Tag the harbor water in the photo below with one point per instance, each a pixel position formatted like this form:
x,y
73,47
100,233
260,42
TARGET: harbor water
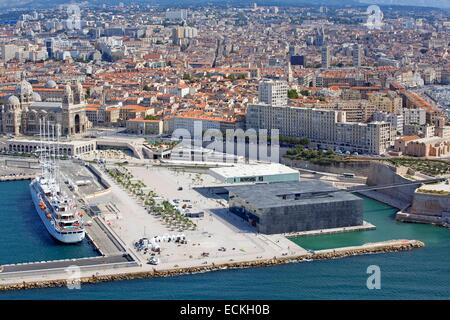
x,y
417,274
23,235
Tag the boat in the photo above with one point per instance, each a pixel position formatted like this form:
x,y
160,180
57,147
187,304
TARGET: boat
x,y
58,211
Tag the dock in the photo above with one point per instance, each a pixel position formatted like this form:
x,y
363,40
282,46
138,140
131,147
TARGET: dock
x,y
92,273
113,255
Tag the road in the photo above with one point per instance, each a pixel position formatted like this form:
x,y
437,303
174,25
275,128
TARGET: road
x,y
61,264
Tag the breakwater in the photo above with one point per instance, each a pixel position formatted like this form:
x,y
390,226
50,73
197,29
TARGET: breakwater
x,y
364,227
371,248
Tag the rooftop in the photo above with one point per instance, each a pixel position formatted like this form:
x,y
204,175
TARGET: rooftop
x,y
293,193
253,169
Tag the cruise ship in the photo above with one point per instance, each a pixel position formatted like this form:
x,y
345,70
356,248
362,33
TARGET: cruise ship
x,y
58,211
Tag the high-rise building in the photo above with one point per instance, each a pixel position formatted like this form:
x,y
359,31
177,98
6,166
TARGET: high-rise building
x,y
294,50
295,58
179,34
8,52
298,61
326,57
177,14
414,116
50,46
289,74
321,37
273,92
357,55
445,76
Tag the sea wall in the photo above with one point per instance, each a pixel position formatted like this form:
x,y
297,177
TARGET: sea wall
x,y
17,177
420,218
20,162
380,247
430,204
384,174
359,168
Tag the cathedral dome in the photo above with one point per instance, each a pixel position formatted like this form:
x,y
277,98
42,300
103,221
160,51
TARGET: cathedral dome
x,y
24,88
51,84
37,97
13,101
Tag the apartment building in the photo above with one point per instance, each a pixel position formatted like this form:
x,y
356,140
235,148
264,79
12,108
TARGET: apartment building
x,y
273,92
324,128
326,57
134,111
387,102
396,120
414,116
8,52
357,55
190,121
102,115
144,127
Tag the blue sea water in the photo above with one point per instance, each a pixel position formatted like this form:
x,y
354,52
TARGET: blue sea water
x,y
23,235
418,274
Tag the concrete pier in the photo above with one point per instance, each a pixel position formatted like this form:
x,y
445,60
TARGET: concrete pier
x,y
364,227
102,274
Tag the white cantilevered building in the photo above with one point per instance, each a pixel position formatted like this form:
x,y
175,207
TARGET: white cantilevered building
x,y
254,173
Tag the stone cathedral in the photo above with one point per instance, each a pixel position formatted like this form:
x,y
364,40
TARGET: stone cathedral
x,y
22,110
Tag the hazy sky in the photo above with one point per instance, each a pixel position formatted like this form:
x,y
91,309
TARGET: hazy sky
x,y
434,3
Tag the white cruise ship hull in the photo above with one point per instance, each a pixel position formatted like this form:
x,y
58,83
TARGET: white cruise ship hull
x,y
66,237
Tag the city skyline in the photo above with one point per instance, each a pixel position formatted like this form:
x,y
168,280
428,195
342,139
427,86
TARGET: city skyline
x,y
50,3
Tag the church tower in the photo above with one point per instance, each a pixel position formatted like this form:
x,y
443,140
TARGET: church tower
x,y
79,93
68,96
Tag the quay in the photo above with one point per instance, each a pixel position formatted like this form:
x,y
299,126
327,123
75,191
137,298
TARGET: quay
x,y
54,277
113,256
15,168
366,226
17,177
117,219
